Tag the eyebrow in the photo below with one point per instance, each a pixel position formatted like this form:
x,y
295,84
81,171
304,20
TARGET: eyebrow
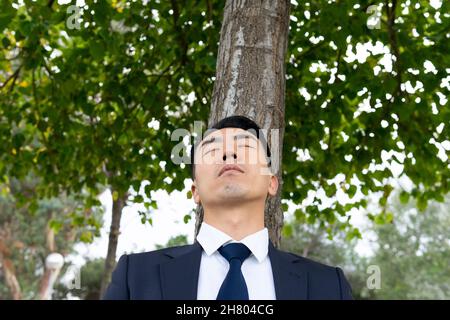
x,y
206,142
236,137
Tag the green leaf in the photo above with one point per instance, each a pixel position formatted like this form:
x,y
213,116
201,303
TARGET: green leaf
x,y
25,27
55,225
6,43
7,13
404,197
18,139
299,215
78,220
354,233
287,230
33,207
96,49
421,203
86,237
365,190
330,190
382,201
102,11
351,191
389,217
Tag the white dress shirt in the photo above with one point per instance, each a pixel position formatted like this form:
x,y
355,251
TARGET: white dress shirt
x,y
257,269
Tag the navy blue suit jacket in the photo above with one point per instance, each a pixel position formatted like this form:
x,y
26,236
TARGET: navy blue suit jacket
x,y
172,274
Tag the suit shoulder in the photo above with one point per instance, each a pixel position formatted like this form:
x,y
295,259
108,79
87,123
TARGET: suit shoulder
x,y
310,264
324,281
157,254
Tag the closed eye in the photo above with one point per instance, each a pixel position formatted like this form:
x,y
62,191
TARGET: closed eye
x,y
246,145
210,150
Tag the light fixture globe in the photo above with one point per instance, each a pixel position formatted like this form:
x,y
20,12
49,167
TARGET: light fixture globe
x,y
54,261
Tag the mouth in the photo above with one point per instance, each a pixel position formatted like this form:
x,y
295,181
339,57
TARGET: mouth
x,y
230,167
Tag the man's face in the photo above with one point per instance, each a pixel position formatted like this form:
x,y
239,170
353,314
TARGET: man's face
x,y
231,166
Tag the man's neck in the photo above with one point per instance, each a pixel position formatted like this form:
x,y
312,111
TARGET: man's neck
x,y
237,222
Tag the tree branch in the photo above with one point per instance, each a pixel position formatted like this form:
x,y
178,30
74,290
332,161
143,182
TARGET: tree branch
x,y
50,73
310,49
34,88
209,10
338,64
337,80
393,43
11,77
181,38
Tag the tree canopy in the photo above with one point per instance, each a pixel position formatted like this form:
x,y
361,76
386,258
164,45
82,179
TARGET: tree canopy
x,y
89,97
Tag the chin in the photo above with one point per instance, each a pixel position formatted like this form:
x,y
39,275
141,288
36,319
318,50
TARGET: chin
x,y
232,192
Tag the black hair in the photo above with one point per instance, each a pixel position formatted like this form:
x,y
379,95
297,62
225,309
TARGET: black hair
x,y
240,122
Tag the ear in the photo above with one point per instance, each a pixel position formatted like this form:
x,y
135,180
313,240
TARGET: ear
x,y
195,193
273,186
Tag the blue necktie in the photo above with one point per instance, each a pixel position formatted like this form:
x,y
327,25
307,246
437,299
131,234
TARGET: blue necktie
x,y
234,286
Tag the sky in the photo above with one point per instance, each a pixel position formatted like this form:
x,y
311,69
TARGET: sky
x,y
137,237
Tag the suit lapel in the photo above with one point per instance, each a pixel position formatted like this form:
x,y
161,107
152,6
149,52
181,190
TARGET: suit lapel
x,y
291,282
179,276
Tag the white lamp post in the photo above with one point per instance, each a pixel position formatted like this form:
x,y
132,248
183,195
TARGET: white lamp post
x,y
53,264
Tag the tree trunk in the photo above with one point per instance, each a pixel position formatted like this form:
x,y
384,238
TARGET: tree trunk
x,y
7,265
114,233
45,279
10,276
250,80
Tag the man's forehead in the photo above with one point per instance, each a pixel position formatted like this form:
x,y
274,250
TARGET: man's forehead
x,y
226,133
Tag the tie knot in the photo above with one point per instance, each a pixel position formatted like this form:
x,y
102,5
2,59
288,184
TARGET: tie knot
x,y
235,251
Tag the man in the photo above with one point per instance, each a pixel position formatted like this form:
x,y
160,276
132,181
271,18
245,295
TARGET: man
x,y
233,257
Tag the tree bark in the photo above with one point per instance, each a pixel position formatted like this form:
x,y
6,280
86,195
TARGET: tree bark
x,y
114,233
45,279
250,80
6,264
9,273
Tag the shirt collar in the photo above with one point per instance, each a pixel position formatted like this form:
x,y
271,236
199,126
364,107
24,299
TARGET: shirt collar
x,y
211,239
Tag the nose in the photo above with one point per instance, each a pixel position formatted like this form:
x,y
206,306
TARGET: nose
x,y
230,152
229,155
